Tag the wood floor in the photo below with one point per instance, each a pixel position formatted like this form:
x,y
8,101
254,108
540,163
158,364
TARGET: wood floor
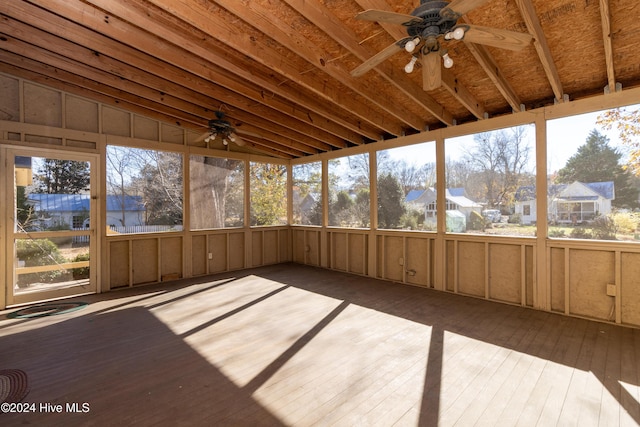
x,y
299,346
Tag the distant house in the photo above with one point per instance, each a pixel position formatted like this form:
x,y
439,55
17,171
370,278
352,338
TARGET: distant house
x,y
456,201
567,203
73,209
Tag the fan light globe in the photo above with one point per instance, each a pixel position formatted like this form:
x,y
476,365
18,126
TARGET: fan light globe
x,y
409,67
447,61
458,33
410,46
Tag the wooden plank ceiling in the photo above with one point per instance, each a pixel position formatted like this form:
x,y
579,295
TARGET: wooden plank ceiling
x,y
280,69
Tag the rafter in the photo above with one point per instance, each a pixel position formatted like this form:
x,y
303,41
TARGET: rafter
x,y
542,47
198,15
605,15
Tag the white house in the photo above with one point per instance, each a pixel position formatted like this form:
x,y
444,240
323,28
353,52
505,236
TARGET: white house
x,y
456,201
568,203
73,210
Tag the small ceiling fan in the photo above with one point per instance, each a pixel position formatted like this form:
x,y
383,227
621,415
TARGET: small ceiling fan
x,y
222,129
426,26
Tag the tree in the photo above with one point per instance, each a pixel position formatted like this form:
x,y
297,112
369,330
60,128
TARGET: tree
x,y
214,183
390,201
628,124
596,161
499,161
62,177
268,193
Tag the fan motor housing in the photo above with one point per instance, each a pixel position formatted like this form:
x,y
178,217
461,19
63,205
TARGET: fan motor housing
x,y
432,23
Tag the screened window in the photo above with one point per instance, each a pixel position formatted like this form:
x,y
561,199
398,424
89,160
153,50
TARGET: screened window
x,y
349,191
490,177
268,188
144,190
406,187
217,192
593,193
307,194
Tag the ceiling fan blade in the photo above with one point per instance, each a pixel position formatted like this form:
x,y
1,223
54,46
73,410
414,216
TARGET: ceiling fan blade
x,y
457,8
378,58
202,137
431,71
504,39
388,17
237,140
248,133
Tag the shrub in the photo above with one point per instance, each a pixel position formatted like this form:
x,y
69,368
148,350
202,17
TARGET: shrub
x,y
516,218
557,233
82,272
581,233
476,221
604,228
626,222
38,252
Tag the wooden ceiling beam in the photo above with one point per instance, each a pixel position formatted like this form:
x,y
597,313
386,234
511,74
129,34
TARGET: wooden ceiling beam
x,y
605,15
530,17
197,15
164,91
326,21
449,80
486,61
197,58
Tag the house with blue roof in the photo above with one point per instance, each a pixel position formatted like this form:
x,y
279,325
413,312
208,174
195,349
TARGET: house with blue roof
x,y
573,203
73,209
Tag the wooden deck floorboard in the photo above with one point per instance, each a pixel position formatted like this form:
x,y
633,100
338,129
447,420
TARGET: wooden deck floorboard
x,y
301,346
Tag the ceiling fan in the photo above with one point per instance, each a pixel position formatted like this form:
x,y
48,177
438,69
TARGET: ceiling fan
x,y
222,129
426,26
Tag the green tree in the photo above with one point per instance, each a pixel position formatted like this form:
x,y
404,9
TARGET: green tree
x,y
596,161
628,124
390,201
268,193
62,176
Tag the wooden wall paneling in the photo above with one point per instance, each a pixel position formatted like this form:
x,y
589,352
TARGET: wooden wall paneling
x,y
218,248
394,260
257,248
299,246
450,274
199,255
42,106
236,251
418,260
10,99
590,272
270,246
506,273
380,256
171,258
555,273
629,295
116,122
81,114
340,250
145,260
313,243
145,128
284,245
119,266
530,275
358,253
471,266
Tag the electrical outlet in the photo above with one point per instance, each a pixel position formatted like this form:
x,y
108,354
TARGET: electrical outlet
x,y
210,255
611,290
